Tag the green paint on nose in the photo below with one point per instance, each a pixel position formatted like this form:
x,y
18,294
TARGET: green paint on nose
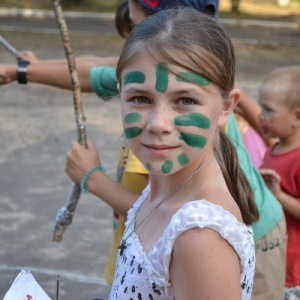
x,y
134,77
192,77
132,132
194,140
132,118
193,119
162,75
167,166
183,159
148,167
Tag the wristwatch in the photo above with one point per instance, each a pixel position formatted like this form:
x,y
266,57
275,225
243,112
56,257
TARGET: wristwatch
x,y
22,71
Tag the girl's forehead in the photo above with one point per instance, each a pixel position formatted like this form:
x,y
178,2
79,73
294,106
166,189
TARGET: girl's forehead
x,y
161,73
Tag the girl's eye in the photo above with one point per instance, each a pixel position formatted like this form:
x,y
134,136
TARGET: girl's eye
x,y
186,101
141,100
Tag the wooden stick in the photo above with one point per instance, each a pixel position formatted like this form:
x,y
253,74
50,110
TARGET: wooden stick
x,y
65,214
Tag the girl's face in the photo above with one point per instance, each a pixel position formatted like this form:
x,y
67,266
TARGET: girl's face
x,y
276,119
170,118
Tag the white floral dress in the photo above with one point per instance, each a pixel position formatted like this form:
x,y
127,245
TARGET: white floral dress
x,y
140,275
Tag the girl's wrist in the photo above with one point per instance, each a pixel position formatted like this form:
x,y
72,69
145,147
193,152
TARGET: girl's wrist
x,y
86,183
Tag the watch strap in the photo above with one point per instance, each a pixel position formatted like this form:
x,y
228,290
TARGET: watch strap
x,y
22,71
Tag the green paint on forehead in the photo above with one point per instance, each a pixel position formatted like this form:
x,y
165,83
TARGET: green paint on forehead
x,y
132,132
192,119
132,118
167,166
183,159
194,140
162,75
134,77
192,77
148,166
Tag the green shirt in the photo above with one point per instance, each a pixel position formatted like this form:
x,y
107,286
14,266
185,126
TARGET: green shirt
x,y
104,82
270,210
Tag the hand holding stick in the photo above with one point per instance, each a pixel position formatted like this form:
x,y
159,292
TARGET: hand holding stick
x,y
65,214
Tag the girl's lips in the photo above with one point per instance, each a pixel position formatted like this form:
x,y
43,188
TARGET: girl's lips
x,y
160,149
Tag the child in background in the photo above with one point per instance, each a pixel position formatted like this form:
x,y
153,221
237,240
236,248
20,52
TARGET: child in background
x,y
189,230
279,97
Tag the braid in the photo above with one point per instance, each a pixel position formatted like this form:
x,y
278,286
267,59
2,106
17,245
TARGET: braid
x,y
235,178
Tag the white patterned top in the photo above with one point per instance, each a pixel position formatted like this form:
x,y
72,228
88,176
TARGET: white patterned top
x,y
140,275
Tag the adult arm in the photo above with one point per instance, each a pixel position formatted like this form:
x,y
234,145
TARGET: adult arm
x,y
80,160
56,72
204,266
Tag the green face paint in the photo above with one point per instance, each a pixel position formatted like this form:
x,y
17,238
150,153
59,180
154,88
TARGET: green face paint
x,y
192,77
194,140
132,132
148,167
132,118
183,159
134,77
193,119
167,166
162,75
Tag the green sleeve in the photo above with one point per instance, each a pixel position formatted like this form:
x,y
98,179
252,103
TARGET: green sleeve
x,y
104,82
270,210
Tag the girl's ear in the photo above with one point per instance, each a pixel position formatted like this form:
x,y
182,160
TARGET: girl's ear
x,y
228,106
118,87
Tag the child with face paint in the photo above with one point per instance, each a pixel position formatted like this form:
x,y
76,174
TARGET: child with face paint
x,y
102,80
280,118
190,229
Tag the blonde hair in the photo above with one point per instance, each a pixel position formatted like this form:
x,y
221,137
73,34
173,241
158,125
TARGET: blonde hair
x,y
285,84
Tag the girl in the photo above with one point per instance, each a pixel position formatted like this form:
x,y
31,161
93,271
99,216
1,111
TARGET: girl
x,y
188,235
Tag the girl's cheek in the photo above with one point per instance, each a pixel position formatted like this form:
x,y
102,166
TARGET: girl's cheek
x,y
132,124
193,127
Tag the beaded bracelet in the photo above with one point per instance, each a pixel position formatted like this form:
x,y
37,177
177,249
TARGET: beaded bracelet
x,y
87,175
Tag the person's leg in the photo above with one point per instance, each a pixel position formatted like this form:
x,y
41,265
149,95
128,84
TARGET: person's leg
x,y
269,280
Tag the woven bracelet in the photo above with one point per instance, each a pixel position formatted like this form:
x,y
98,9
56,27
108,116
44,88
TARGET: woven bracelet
x,y
87,175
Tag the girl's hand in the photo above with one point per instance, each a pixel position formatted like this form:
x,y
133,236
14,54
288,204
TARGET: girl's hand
x,y
272,180
80,160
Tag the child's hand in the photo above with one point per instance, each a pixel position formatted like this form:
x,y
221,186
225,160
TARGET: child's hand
x,y
80,160
272,180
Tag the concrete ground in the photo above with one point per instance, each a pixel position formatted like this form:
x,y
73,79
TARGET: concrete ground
x,y
36,128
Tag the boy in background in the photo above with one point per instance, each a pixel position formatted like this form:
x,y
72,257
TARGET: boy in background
x,y
279,96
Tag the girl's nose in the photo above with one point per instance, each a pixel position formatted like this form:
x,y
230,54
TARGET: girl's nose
x,y
161,120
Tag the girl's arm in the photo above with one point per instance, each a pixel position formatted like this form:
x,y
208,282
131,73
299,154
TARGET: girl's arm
x,y
80,160
204,266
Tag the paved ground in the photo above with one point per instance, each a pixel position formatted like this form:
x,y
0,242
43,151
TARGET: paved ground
x,y
36,127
